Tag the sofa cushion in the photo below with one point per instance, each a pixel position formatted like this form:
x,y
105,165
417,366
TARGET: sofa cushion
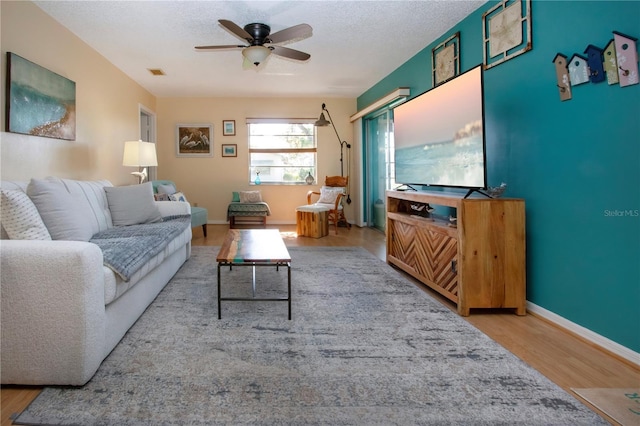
x,y
20,217
328,194
173,208
115,286
168,189
67,216
92,191
250,197
125,249
178,196
330,206
132,205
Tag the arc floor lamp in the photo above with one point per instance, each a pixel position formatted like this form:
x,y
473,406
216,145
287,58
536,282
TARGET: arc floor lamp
x,y
323,122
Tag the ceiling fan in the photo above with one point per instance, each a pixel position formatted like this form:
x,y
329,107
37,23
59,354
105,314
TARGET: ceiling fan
x,y
261,43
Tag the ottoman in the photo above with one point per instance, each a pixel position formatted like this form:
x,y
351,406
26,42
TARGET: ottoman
x,y
311,221
248,214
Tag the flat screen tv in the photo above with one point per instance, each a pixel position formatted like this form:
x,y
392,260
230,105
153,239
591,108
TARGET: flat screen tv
x,y
439,135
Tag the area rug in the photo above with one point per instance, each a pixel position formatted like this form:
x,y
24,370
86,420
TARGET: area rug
x,y
365,346
622,405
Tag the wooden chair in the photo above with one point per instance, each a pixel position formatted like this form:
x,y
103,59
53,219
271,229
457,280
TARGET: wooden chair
x,y
331,197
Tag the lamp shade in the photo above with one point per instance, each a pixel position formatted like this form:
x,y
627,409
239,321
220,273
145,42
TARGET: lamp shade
x,y
321,122
139,154
256,54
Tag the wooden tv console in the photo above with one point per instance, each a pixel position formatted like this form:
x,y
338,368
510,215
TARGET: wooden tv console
x,y
480,263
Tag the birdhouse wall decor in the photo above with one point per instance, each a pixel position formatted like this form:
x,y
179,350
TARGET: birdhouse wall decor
x,y
578,70
617,63
627,56
562,77
594,62
610,63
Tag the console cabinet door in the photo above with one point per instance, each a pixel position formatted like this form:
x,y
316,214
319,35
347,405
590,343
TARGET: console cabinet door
x,y
438,259
402,246
492,234
428,253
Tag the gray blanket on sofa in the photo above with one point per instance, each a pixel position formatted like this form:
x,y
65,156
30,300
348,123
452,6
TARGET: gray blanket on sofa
x,y
126,249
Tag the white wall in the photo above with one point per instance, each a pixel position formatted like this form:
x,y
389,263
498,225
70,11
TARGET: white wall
x,y
209,181
107,103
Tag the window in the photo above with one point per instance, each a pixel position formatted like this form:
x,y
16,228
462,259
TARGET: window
x,y
282,151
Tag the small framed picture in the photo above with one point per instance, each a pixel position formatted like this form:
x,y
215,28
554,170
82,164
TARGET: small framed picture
x,y
228,127
229,150
194,140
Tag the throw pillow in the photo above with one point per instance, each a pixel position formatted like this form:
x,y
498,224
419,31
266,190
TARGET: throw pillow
x,y
250,197
20,218
132,205
178,196
168,189
235,197
66,216
161,197
328,194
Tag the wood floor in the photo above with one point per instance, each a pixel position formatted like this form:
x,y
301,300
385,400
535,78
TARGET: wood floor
x,y
561,356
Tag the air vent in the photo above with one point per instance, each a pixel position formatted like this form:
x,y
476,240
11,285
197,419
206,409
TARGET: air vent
x,y
156,71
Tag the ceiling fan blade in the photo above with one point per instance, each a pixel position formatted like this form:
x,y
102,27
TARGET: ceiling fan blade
x,y
296,32
236,30
228,46
289,53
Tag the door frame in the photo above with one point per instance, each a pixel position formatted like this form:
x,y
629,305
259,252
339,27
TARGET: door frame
x,y
147,128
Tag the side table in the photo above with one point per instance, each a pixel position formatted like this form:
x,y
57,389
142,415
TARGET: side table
x,y
311,221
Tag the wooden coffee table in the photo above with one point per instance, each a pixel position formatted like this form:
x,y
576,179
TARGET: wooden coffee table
x,y
254,247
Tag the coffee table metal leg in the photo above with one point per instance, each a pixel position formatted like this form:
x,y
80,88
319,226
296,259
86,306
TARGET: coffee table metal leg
x,y
253,267
289,287
219,304
253,280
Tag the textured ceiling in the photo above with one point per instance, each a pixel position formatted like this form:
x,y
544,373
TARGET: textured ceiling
x,y
354,44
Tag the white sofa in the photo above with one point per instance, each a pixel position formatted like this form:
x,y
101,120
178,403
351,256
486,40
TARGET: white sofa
x,y
63,310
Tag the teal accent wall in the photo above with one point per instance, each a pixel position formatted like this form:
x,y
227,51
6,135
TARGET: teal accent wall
x,y
576,163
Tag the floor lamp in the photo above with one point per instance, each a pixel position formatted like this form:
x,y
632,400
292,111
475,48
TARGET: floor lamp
x,y
323,122
139,154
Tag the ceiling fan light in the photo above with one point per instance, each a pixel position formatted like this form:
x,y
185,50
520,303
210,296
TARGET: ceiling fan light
x,y
256,54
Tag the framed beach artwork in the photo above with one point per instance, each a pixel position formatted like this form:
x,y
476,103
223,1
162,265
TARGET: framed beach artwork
x,y
228,127
39,102
194,140
229,150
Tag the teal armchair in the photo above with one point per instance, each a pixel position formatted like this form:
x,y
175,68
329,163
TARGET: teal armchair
x,y
199,215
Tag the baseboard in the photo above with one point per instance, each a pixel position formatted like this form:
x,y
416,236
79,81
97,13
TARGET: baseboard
x,y
269,222
595,338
